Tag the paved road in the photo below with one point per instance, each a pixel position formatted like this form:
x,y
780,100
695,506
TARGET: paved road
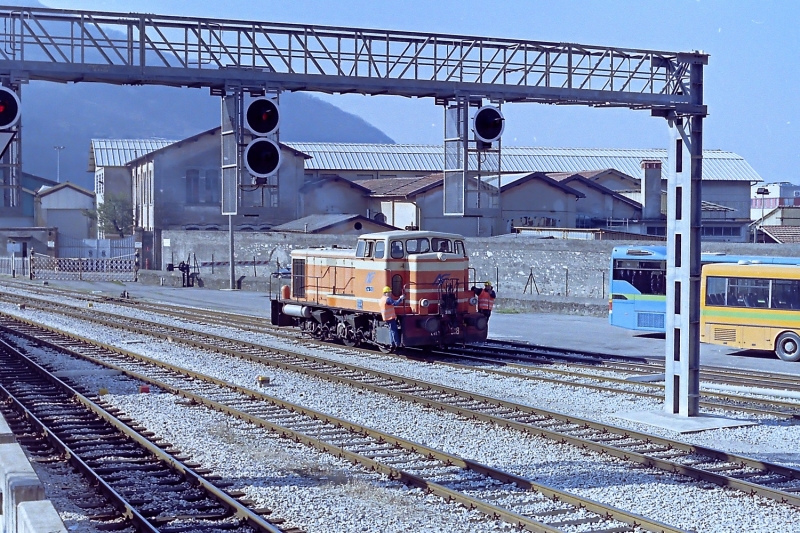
x,y
564,331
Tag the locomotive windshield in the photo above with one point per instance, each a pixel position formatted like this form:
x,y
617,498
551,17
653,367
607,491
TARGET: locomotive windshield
x,y
418,246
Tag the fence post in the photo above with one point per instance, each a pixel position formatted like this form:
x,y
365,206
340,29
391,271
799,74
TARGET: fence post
x,y
212,264
255,274
497,277
603,289
13,265
566,281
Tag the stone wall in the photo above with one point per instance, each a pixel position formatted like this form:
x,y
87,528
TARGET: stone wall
x,y
577,269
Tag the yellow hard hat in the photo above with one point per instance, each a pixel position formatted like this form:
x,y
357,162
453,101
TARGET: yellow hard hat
x,y
488,283
387,289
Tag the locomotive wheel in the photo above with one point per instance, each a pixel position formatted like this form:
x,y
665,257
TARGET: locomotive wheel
x,y
349,342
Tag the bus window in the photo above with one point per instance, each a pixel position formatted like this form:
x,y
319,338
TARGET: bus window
x,y
648,277
785,294
380,248
417,246
397,249
746,292
460,249
715,291
361,248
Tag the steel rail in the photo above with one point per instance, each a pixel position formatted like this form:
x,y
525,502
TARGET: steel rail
x,y
483,408
603,511
256,324
643,365
127,510
726,401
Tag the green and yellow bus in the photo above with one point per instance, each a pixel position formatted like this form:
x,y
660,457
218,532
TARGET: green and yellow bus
x,y
753,306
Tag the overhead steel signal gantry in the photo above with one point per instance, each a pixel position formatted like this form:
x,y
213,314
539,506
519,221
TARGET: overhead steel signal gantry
x,y
89,46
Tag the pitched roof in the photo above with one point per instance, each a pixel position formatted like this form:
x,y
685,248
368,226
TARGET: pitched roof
x,y
783,234
119,152
405,187
508,181
314,223
44,190
582,177
311,184
717,164
196,136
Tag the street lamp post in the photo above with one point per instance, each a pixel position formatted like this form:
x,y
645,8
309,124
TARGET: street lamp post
x,y
58,162
763,192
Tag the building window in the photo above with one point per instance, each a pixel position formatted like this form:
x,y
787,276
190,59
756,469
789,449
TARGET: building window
x,y
212,189
660,231
717,231
192,186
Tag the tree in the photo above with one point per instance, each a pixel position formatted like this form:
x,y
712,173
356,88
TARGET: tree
x,y
113,216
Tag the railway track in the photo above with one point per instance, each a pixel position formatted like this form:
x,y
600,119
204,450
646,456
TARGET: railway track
x,y
493,351
753,477
503,367
498,494
137,483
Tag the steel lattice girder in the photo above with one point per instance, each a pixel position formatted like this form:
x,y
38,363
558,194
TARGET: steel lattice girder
x,y
90,46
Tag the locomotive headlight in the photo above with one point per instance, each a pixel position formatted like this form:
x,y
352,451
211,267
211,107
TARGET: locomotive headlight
x,y
424,302
441,256
473,301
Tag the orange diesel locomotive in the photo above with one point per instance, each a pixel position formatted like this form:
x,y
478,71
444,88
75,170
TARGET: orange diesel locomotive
x,y
335,293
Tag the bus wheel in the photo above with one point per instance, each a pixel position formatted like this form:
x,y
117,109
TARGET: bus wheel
x,y
787,347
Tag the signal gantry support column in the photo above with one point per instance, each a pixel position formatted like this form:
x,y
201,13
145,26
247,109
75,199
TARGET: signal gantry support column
x,y
684,219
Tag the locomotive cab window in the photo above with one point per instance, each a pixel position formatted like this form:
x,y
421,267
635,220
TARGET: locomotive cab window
x,y
397,249
460,249
370,246
417,246
361,249
380,249
441,245
397,285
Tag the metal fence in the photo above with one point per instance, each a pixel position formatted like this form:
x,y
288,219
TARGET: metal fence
x,y
95,248
17,266
64,268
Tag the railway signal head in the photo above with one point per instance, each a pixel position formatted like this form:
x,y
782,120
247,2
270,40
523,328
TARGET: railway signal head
x,y
9,108
262,157
262,116
488,124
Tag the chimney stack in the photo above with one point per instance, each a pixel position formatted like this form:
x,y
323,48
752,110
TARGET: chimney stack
x,y
651,189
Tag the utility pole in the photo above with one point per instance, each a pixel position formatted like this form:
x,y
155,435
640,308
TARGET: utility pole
x,y
58,162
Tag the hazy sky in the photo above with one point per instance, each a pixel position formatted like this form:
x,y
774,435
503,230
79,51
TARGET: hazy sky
x,y
753,109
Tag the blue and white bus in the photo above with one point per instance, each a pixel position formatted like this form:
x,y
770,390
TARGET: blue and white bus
x,y
637,295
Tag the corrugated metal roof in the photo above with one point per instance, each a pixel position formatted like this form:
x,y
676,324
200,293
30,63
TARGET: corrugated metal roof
x,y
718,165
401,186
313,223
119,152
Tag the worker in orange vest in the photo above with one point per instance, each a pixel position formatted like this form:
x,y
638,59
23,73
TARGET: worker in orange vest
x,y
486,298
389,316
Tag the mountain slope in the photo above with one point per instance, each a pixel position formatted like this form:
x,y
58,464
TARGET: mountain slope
x,y
71,115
